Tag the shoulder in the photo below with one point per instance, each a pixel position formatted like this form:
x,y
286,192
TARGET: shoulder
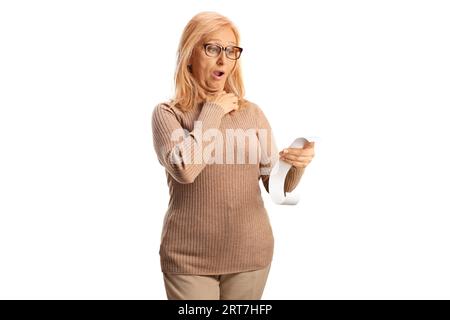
x,y
251,107
258,114
167,105
254,109
166,108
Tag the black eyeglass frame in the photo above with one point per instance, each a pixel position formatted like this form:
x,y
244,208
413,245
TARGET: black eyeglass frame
x,y
222,49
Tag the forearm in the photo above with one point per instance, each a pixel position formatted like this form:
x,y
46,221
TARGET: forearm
x,y
184,159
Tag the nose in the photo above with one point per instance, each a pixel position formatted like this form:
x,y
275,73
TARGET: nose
x,y
221,58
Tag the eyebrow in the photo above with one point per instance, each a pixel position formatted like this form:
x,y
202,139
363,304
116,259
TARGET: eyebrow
x,y
220,40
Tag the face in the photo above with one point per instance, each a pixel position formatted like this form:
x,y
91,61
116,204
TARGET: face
x,y
205,68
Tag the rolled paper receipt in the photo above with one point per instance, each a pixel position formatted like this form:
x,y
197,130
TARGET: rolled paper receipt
x,y
278,175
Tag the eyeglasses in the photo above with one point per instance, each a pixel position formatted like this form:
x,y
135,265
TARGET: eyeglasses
x,y
214,50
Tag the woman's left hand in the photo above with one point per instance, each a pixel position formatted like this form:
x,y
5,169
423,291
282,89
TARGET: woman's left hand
x,y
298,157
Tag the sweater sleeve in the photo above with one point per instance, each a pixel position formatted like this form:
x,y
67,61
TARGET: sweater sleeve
x,y
269,155
178,150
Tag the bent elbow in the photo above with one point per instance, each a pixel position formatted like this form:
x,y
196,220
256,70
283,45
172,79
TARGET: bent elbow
x,y
184,177
185,180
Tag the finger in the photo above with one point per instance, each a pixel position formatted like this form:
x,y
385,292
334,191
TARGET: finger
x,y
309,145
298,164
296,158
305,152
297,152
294,151
305,147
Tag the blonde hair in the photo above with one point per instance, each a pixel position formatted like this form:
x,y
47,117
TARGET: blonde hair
x,y
187,90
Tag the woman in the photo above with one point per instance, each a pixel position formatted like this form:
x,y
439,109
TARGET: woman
x,y
217,240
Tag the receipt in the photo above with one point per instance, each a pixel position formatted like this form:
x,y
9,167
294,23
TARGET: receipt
x,y
278,175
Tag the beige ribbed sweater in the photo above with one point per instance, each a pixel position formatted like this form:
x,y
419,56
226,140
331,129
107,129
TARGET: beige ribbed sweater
x,y
216,222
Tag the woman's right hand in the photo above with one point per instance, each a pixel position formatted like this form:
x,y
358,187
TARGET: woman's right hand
x,y
228,101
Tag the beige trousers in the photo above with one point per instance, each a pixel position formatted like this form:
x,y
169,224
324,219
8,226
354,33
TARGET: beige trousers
x,y
234,286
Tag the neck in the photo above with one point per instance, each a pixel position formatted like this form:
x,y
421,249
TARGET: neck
x,y
205,93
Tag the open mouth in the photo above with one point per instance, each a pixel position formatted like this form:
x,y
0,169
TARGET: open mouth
x,y
218,74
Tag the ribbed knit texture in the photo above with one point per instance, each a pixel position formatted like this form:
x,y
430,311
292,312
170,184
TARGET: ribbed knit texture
x,y
216,222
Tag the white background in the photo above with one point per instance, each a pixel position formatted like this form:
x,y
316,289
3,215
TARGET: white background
x,y
83,197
